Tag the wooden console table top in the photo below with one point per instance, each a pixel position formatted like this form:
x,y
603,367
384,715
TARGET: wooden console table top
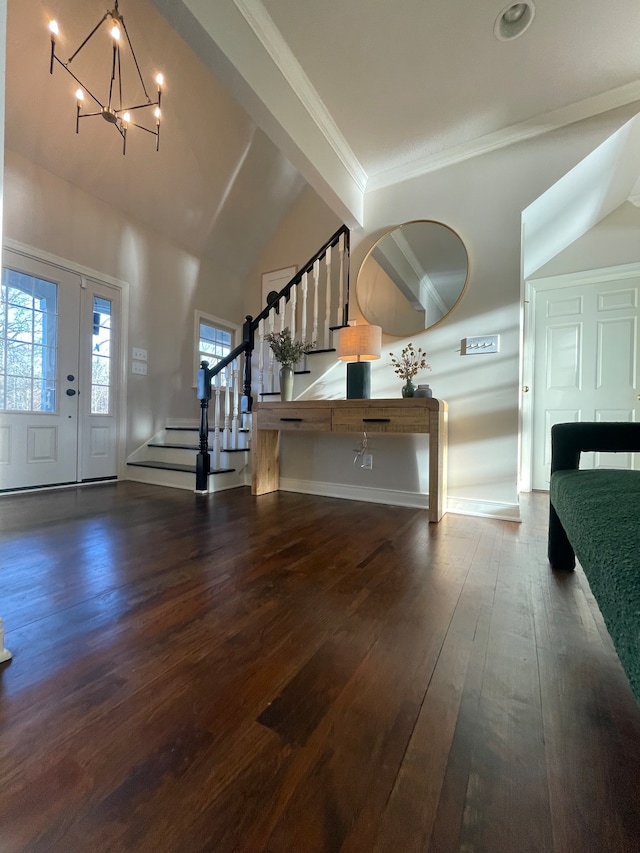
x,y
414,415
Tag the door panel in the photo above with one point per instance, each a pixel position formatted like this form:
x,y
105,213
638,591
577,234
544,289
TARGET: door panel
x,y
99,397
40,309
58,373
586,365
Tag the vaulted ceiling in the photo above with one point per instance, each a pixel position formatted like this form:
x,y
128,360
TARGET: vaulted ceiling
x,y
262,95
369,92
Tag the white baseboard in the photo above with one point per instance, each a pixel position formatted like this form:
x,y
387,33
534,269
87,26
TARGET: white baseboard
x,y
485,509
459,506
355,493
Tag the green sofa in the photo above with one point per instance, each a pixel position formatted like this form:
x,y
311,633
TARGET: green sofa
x,y
595,515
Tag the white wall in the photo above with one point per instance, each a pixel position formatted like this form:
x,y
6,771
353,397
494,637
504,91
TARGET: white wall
x,y
613,241
482,200
166,284
594,188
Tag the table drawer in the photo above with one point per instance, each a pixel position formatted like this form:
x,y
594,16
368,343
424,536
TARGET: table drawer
x,y
379,419
316,420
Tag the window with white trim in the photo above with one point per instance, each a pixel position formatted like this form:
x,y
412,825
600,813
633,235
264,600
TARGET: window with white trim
x,y
214,340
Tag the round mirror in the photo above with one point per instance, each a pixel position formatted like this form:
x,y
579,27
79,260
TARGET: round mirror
x,y
412,277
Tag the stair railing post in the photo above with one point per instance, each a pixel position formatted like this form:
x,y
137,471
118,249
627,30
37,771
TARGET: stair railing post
x,y
248,338
203,460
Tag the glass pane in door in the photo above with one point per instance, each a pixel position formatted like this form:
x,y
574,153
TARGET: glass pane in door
x,y
28,342
101,357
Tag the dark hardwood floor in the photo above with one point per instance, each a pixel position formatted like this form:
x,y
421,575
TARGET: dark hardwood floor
x,y
291,673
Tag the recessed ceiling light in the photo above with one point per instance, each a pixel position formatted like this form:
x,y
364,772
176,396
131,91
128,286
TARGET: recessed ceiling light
x,y
513,20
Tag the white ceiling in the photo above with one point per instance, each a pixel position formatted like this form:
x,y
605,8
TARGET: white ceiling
x,y
356,94
395,89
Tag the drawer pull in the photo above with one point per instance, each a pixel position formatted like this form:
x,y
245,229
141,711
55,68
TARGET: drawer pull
x,y
376,420
295,420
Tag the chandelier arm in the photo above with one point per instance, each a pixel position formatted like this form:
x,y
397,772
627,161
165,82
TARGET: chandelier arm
x,y
88,91
137,107
142,127
119,79
113,73
135,59
93,31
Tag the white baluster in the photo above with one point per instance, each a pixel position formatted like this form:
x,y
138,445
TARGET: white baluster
x,y
293,300
216,425
283,313
316,276
272,315
340,309
327,306
305,285
236,404
261,346
227,405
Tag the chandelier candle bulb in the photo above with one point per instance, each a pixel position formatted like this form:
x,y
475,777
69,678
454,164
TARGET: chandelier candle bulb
x,y
53,29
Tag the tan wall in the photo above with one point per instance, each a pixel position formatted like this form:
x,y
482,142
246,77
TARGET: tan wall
x,y
302,232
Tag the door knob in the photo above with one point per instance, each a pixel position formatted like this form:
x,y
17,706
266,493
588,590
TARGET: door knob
x,y
70,392
525,388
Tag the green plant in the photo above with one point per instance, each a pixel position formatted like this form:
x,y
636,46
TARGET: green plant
x,y
411,360
284,349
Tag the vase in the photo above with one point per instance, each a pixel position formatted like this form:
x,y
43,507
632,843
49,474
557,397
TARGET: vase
x,y
286,382
423,391
408,389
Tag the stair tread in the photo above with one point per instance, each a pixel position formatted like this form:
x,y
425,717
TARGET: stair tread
x,y
194,447
317,351
176,466
197,429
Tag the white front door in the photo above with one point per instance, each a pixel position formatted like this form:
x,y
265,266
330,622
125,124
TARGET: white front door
x,y
586,361
58,375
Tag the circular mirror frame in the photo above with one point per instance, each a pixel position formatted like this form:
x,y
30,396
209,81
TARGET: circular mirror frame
x,y
373,248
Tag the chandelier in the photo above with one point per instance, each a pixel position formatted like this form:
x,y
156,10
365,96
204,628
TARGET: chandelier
x,y
113,110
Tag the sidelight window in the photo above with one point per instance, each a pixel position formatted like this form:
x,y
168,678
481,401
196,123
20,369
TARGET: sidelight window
x,y
28,342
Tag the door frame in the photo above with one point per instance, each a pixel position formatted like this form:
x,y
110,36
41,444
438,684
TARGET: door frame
x,y
531,288
86,273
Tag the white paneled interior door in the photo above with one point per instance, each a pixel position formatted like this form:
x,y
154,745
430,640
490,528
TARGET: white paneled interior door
x,y
58,375
586,363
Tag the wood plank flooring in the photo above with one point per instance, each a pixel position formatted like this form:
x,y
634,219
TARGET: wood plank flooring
x,y
294,674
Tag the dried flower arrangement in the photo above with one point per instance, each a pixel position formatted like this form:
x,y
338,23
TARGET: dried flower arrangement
x,y
411,361
285,350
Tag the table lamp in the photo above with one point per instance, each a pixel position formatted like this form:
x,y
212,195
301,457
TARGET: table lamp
x,y
359,345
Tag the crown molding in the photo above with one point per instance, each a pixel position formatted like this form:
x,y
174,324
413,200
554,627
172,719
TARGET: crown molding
x,y
274,44
554,120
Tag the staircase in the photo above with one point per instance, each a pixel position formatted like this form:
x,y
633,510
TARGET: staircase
x,y
168,459
313,305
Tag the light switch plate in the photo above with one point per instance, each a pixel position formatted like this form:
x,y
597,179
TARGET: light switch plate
x,y
139,367
480,345
139,354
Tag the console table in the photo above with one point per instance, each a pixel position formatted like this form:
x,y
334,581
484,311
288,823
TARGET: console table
x,y
412,415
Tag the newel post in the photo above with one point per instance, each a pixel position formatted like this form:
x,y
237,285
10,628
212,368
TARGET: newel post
x,y
203,460
248,338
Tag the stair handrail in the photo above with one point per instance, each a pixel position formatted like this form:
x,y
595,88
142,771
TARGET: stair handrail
x,y
246,347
